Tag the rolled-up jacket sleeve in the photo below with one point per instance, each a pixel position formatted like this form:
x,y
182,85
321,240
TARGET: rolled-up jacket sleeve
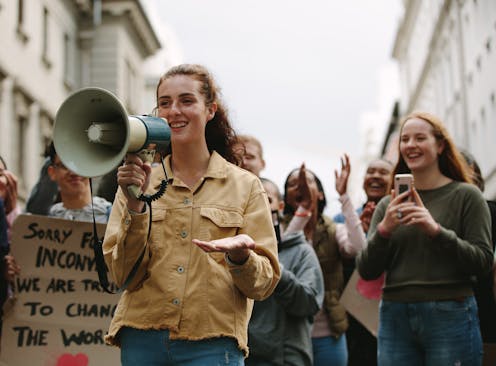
x,y
125,239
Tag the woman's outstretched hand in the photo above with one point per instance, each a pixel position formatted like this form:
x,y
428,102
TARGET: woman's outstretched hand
x,y
237,247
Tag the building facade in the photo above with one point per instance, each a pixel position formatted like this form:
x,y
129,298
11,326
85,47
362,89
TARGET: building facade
x,y
446,52
51,48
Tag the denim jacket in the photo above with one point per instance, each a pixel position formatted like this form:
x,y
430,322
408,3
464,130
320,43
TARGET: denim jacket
x,y
194,294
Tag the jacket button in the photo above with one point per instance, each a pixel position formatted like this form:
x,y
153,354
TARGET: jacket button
x,y
127,221
184,234
186,201
176,301
180,269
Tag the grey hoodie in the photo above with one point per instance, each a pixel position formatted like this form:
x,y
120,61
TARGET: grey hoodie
x,y
100,205
279,331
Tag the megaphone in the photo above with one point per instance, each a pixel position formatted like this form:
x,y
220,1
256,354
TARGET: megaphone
x,y
93,132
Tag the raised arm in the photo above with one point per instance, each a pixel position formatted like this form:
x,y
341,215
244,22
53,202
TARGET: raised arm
x,y
305,210
350,235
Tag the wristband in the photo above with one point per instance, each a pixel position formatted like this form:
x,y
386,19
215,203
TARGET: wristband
x,y
231,263
304,213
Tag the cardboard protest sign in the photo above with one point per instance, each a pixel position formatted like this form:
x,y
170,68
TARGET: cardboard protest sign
x,y
59,315
361,299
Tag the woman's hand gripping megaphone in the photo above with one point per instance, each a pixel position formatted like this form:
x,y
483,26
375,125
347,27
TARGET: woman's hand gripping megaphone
x,y
134,177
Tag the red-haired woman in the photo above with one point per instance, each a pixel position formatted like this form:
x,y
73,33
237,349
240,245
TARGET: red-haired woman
x,y
431,241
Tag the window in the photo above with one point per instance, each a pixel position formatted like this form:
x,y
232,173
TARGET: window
x,y
45,35
20,22
22,123
68,62
20,13
129,86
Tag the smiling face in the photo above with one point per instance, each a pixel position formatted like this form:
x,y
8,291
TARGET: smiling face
x,y
376,180
184,107
419,147
70,184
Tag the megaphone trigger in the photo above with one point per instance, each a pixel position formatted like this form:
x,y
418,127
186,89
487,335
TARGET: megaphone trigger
x,y
147,155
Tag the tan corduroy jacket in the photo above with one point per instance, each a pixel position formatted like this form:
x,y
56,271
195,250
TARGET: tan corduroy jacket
x,y
194,294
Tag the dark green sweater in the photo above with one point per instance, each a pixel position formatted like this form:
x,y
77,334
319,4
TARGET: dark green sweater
x,y
420,268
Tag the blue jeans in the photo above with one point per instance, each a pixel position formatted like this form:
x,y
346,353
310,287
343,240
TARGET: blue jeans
x,y
154,348
433,333
330,351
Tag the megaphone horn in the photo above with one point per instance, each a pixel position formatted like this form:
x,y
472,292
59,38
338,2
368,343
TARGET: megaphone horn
x,y
93,133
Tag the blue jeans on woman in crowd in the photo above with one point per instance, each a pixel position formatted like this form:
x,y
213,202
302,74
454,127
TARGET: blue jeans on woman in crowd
x,y
155,348
431,333
330,351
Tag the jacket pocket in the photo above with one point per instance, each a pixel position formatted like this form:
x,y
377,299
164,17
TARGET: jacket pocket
x,y
221,217
157,229
217,223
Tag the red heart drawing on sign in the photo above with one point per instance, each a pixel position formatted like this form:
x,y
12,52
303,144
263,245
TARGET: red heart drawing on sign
x,y
371,289
70,360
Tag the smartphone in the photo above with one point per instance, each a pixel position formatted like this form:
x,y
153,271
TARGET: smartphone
x,y
403,183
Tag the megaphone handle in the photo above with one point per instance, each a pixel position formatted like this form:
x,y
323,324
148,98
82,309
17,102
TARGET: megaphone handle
x,y
147,157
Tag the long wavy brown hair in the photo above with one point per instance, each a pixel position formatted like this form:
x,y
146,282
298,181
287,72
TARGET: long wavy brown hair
x,y
219,134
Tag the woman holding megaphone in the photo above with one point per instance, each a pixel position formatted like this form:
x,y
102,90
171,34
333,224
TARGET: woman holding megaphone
x,y
210,247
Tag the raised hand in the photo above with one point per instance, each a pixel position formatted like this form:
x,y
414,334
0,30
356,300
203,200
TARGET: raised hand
x,y
304,192
366,215
8,190
12,269
342,177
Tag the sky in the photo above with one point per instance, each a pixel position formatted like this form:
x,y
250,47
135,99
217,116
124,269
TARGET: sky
x,y
310,79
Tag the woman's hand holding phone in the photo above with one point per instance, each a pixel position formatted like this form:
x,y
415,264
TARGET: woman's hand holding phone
x,y
420,216
403,210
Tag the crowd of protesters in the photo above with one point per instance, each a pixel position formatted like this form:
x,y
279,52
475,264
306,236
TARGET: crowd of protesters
x,y
238,271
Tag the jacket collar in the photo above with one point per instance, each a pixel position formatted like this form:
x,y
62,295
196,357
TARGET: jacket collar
x,y
217,169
